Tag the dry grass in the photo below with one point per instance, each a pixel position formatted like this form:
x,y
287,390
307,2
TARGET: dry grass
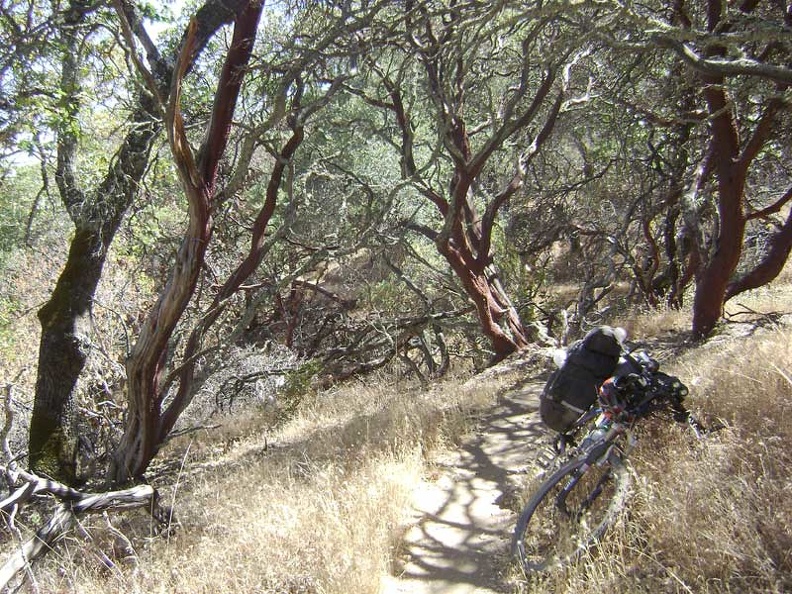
x,y
733,493
711,516
318,506
293,526
655,322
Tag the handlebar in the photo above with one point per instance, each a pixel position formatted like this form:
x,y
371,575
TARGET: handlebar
x,y
667,393
640,392
646,390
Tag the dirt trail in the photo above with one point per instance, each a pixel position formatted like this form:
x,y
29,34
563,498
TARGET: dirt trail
x,y
462,535
460,541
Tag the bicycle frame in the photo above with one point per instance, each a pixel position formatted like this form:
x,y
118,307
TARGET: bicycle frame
x,y
573,506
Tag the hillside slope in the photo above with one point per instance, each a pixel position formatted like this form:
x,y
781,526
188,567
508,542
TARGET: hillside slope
x,y
390,486
460,541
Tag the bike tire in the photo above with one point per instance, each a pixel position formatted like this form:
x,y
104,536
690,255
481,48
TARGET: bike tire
x,y
569,513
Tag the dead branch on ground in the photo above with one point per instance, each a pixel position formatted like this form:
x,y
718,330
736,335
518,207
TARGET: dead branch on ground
x,y
24,486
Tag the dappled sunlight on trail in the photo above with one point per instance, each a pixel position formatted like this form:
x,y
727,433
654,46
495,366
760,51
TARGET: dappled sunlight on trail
x,y
460,541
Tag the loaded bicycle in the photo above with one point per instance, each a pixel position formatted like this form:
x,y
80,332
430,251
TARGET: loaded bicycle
x,y
571,510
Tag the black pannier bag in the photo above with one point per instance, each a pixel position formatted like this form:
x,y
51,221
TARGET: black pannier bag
x,y
572,388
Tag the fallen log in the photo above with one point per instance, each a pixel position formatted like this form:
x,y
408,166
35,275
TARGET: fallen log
x,y
74,503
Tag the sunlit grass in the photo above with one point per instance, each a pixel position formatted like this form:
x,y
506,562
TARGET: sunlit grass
x,y
715,515
319,504
316,506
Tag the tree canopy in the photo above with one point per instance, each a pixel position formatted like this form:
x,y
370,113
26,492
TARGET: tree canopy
x,y
254,190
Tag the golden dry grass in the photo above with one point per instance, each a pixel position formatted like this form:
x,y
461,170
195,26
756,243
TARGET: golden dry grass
x,y
709,516
318,506
727,511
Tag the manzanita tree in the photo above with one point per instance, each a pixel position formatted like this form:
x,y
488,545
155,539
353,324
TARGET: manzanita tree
x,y
742,78
96,212
473,92
144,431
161,385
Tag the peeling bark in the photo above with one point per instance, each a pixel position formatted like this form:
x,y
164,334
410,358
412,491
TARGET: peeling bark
x,y
96,216
144,430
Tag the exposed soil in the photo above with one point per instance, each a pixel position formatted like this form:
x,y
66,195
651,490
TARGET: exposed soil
x,y
464,513
460,541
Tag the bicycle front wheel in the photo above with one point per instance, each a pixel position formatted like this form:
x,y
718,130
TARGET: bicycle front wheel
x,y
569,513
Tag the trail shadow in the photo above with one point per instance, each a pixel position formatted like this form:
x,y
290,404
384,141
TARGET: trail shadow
x,y
461,543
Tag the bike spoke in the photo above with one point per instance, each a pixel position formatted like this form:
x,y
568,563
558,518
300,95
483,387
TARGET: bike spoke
x,y
568,514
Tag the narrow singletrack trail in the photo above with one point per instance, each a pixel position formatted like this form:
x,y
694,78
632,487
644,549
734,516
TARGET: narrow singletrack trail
x,y
461,539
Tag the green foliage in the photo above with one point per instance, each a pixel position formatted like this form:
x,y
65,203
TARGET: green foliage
x,y
152,12
523,282
632,129
298,386
387,296
154,231
17,193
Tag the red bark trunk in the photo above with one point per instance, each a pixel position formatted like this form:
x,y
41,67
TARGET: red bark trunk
x,y
143,433
730,170
488,302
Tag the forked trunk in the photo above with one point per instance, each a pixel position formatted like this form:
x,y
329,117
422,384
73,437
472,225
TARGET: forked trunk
x,y
145,430
64,347
499,320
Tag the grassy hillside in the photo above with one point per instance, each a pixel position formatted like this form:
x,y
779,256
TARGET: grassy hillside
x,y
320,504
317,506
712,515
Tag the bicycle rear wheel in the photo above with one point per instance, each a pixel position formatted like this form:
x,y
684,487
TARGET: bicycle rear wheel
x,y
569,513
